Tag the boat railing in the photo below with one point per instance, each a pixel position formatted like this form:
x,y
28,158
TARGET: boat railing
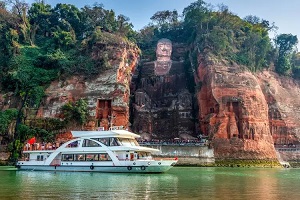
x,y
158,159
135,159
148,158
41,146
101,128
116,128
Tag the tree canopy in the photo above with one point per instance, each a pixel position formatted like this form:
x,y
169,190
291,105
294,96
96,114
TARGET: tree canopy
x,y
286,45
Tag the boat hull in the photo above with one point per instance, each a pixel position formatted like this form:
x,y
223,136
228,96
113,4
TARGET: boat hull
x,y
108,169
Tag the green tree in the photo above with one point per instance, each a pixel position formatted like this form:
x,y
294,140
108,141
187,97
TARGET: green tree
x,y
19,9
196,17
296,64
285,44
125,27
165,17
29,84
94,17
68,18
9,40
39,16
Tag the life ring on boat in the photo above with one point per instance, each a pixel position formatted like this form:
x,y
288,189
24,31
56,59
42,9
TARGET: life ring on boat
x,y
129,168
92,167
159,163
143,168
134,163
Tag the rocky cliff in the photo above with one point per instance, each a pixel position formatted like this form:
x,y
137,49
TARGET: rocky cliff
x,y
233,111
238,109
107,93
283,97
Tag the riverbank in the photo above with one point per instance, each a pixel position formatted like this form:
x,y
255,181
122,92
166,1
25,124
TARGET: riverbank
x,y
203,156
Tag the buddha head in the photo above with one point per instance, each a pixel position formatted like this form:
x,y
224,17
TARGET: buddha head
x,y
164,50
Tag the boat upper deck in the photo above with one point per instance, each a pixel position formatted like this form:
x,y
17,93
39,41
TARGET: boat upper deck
x,y
115,135
102,134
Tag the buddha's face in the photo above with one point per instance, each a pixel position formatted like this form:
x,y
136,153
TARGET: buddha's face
x,y
164,50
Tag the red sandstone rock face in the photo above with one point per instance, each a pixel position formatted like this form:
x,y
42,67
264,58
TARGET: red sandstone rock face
x,y
107,94
283,96
233,112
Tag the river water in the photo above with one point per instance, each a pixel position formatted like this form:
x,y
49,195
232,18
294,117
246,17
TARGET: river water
x,y
178,183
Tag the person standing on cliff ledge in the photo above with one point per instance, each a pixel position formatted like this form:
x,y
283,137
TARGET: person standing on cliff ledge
x,y
163,63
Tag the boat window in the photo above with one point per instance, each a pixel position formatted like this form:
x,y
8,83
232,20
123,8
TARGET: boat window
x,y
128,142
90,143
38,157
143,155
113,142
72,145
108,141
104,157
104,141
86,157
79,157
67,157
92,157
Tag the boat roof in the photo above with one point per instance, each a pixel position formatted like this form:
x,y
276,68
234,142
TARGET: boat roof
x,y
136,148
39,151
102,134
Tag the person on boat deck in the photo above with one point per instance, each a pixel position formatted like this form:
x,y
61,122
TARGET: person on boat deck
x,y
27,146
49,145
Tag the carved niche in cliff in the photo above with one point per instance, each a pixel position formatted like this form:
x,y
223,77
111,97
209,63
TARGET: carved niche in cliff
x,y
103,113
162,103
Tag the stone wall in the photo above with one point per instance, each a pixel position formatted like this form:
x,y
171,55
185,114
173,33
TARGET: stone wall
x,y
187,155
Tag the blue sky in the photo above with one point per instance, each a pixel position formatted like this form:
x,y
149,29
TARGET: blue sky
x,y
285,14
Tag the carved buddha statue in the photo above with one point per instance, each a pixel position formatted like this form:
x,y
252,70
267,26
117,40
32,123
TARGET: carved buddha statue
x,y
163,63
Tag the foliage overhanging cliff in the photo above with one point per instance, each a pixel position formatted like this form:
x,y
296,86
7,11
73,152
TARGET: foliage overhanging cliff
x,y
40,44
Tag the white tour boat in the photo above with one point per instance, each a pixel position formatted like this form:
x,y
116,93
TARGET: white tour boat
x,y
114,150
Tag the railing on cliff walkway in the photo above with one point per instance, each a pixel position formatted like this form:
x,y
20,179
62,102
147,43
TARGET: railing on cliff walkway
x,y
289,147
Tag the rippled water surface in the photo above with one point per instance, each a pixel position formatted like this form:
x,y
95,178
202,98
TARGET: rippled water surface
x,y
178,183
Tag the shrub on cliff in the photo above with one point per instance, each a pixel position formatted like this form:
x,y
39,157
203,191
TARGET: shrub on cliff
x,y
75,112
